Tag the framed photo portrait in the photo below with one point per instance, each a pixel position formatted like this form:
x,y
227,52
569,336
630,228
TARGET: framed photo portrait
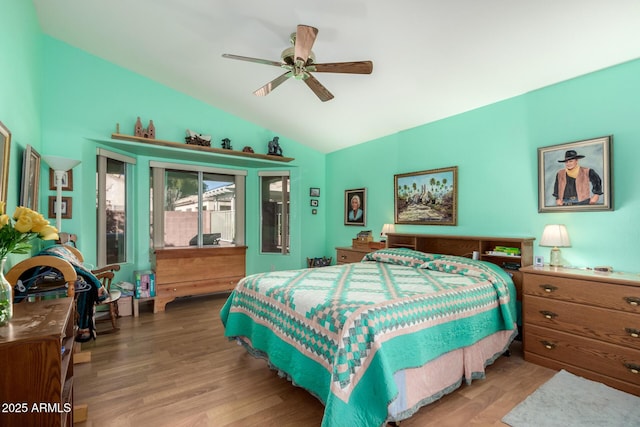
x,y
5,150
67,180
575,176
66,207
355,211
30,185
314,192
427,198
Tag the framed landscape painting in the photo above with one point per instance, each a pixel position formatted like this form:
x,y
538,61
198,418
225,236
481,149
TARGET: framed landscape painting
x,y
5,150
428,197
575,176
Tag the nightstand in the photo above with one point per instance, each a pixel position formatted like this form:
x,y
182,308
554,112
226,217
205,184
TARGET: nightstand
x,y
350,254
585,322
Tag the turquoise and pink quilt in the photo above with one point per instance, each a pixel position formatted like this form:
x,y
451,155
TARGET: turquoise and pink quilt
x,y
342,332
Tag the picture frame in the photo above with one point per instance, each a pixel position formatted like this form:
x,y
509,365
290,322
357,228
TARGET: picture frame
x,y
66,207
67,180
314,202
355,206
428,197
538,261
30,183
314,192
5,151
595,189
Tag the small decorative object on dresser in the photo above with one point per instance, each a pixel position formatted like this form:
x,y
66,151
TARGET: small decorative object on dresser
x,y
585,322
226,144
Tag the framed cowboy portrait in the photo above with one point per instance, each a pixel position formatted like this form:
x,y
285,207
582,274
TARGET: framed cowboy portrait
x,y
575,176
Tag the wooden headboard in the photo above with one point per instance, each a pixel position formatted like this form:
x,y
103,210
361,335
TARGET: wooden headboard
x,y
466,245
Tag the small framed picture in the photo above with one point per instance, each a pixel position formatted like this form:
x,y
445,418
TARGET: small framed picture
x,y
314,211
314,203
314,192
66,207
67,180
538,261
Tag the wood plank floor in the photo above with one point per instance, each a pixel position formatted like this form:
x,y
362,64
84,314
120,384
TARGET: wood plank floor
x,y
177,369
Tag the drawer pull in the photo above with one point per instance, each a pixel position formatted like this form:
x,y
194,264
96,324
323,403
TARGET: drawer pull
x,y
635,333
548,344
548,314
634,301
548,288
343,257
633,368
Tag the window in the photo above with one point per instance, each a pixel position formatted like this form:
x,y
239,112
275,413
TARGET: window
x,y
113,181
196,206
274,218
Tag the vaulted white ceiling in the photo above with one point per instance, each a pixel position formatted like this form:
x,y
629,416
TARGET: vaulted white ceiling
x,y
432,58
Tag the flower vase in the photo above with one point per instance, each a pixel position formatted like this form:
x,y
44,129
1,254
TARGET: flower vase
x,y
6,297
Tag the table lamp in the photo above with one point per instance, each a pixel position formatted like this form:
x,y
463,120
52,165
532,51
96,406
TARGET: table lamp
x,y
60,165
556,236
387,228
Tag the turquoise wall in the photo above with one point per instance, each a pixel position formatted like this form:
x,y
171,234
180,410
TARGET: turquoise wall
x,y
20,89
85,96
57,98
495,150
60,99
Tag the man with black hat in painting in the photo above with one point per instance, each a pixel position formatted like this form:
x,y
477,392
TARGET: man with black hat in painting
x,y
573,183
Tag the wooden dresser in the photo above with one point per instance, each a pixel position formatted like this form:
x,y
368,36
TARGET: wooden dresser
x,y
585,322
36,384
195,271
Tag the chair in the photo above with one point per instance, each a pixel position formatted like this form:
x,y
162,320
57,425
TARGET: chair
x,y
106,275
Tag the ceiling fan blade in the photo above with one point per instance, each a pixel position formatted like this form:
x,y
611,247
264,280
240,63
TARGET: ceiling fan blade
x,y
358,67
266,89
305,37
248,59
317,88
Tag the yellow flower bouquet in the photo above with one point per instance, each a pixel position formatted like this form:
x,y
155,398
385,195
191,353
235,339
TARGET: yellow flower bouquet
x,y
16,232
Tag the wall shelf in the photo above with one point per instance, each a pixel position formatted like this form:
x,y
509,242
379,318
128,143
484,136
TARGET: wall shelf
x,y
182,151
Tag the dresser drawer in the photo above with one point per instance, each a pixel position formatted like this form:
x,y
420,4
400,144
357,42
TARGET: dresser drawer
x,y
608,325
347,256
585,353
607,295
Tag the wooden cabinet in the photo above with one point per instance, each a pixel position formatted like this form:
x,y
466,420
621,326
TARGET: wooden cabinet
x,y
584,322
349,254
36,385
467,245
196,271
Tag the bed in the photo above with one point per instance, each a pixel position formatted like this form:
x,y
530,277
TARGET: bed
x,y
374,341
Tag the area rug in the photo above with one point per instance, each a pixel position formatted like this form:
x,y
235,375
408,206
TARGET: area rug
x,y
568,400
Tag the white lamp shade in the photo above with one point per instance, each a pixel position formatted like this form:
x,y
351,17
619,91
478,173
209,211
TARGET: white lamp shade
x,y
555,235
387,228
60,163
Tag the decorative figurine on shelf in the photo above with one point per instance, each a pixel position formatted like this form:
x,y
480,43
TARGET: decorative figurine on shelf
x,y
148,132
274,147
226,144
194,138
247,149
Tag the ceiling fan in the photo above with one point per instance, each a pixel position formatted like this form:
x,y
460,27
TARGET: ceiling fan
x,y
299,61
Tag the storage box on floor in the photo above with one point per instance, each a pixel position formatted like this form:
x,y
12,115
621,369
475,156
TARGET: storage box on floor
x,y
145,283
